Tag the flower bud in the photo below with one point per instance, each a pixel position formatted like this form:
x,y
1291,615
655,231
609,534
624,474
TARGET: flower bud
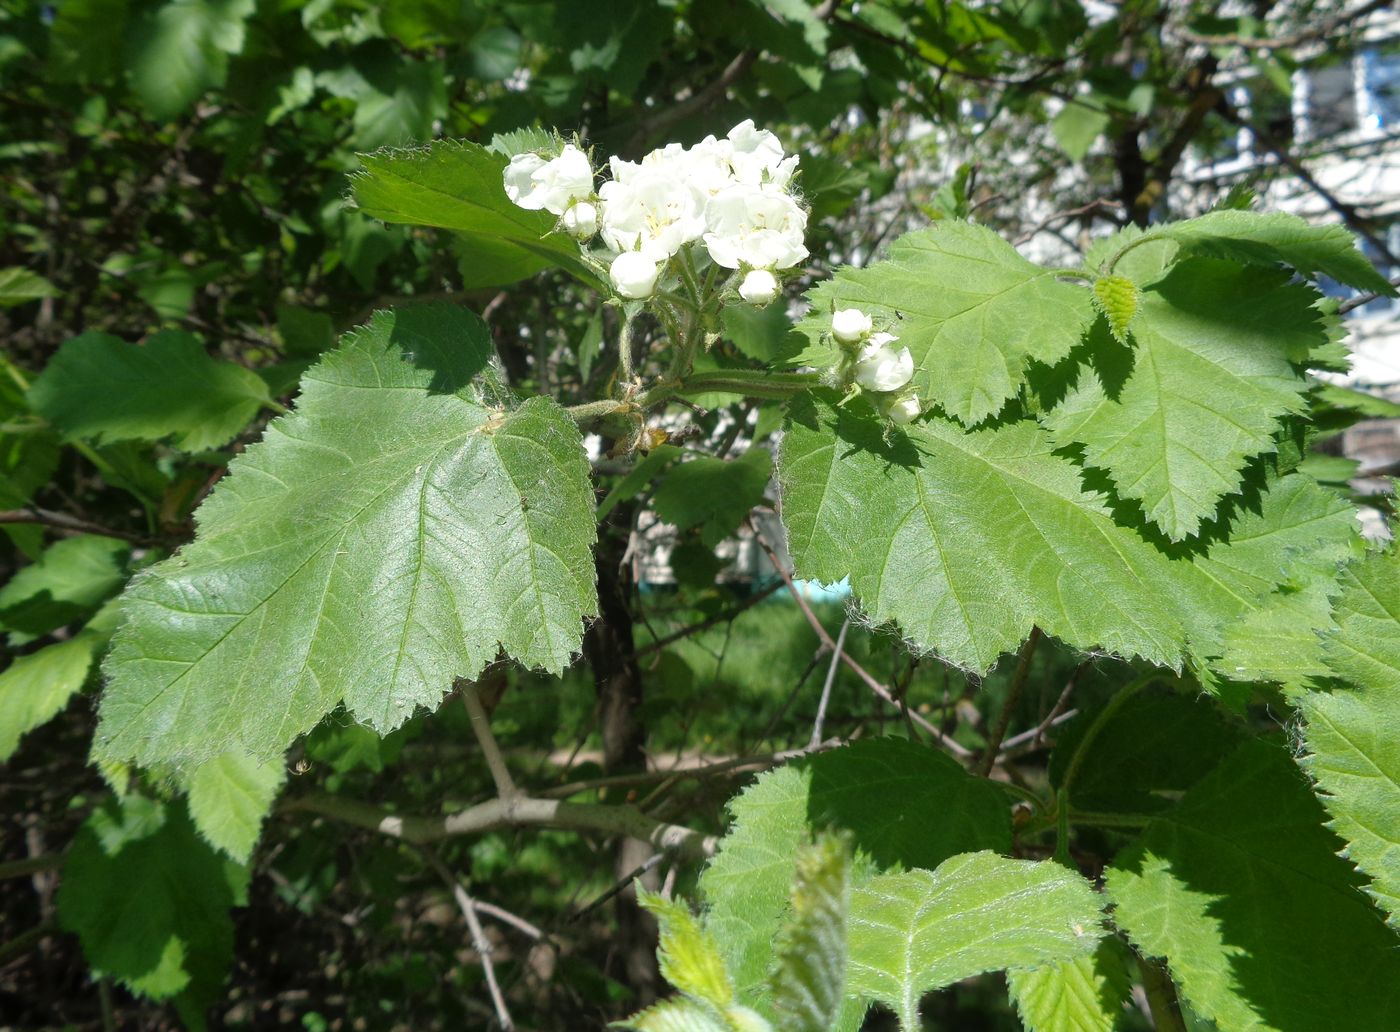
x,y
581,220
759,287
905,410
850,325
634,275
882,368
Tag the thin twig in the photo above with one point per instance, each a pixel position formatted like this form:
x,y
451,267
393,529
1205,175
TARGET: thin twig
x,y
481,727
704,625
1013,696
480,943
506,917
1061,216
621,885
520,812
874,685
1060,704
64,522
30,865
836,653
1364,299
1012,746
26,941
1320,31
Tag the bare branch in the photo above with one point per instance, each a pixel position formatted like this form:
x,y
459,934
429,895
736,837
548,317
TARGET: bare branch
x,y
836,654
874,685
71,524
495,814
1320,31
481,727
704,625
1364,299
1108,207
480,943
1013,696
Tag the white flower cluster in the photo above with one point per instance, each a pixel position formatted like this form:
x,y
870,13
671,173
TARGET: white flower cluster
x,y
732,196
876,364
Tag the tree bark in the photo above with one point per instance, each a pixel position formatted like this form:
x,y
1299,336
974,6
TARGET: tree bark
x,y
610,650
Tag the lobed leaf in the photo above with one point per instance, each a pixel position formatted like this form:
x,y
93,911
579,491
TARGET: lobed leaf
x,y
713,494
1276,238
150,904
915,931
867,789
100,387
1353,735
229,798
67,582
1086,994
458,186
1240,889
1211,374
971,311
967,539
19,286
392,534
808,980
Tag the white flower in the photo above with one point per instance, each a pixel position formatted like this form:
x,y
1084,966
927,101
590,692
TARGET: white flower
x,y
882,368
707,166
850,325
652,211
756,226
519,176
581,220
905,410
634,275
534,183
759,287
756,156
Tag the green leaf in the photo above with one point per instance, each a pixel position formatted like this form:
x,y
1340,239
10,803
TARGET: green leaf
x,y
1086,994
1281,641
35,688
686,1015
399,102
458,186
68,581
1276,239
919,930
392,534
1156,744
808,980
1118,299
150,910
967,540
102,388
1076,128
638,478
230,796
713,494
686,953
1174,420
80,40
1261,923
180,49
305,332
868,789
19,286
1353,736
760,333
971,333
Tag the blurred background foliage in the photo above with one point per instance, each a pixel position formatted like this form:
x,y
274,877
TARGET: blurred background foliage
x,y
181,166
